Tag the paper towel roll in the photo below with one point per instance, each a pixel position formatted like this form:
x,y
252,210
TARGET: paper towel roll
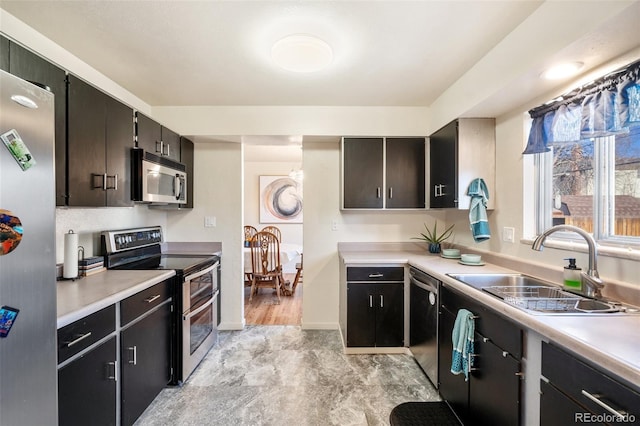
x,y
70,268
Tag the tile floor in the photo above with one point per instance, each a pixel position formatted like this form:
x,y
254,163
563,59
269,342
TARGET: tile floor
x,y
283,375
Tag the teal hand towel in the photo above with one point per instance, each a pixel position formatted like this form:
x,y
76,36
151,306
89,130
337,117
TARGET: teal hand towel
x,y
462,339
478,221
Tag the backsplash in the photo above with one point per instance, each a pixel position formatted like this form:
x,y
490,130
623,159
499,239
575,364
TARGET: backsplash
x,y
89,223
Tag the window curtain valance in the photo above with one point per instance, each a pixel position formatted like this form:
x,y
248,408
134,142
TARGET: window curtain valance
x,y
604,107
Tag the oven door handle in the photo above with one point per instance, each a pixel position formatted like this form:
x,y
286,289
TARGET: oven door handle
x,y
200,273
187,315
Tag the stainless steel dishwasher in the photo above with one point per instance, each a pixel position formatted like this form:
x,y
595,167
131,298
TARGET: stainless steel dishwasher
x,y
423,325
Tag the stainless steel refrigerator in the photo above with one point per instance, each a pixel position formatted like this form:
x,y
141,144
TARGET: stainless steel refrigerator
x,y
28,376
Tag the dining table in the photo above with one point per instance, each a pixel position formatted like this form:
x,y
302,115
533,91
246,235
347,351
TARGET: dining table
x,y
289,255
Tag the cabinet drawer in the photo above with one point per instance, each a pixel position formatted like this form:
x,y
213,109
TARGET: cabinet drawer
x,y
81,334
502,332
136,305
576,379
373,273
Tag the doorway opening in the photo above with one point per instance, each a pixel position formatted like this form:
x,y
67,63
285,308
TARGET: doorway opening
x,y
270,161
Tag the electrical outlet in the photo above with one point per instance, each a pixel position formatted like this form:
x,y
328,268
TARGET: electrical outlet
x,y
508,234
209,221
334,225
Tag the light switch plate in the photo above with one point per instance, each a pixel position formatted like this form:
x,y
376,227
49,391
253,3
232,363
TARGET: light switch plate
x,y
508,234
209,221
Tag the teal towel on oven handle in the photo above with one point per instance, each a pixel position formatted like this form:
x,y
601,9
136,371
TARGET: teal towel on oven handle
x,y
478,220
462,339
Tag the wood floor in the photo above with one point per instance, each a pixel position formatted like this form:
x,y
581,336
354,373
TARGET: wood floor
x,y
265,310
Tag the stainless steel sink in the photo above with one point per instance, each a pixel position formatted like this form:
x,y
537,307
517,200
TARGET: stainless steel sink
x,y
537,296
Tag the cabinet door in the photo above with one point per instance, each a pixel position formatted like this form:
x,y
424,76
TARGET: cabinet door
x,y
361,316
145,355
4,53
494,386
149,134
186,158
389,302
170,144
86,145
557,409
405,173
443,166
362,173
31,67
119,142
453,388
87,388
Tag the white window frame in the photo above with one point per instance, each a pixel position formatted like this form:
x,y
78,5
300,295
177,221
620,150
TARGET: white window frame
x,y
604,198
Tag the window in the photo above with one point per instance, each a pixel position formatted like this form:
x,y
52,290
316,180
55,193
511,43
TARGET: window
x,y
593,184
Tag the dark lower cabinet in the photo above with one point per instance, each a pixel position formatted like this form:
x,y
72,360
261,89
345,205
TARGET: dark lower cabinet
x,y
491,396
87,388
574,392
375,315
145,356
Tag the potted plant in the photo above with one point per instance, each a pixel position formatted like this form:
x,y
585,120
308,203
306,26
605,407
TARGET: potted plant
x,y
432,237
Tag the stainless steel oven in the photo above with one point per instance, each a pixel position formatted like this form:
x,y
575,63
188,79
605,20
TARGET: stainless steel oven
x,y
200,292
196,291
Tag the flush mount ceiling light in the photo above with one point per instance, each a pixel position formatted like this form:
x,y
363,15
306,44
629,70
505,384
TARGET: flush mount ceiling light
x,y
301,53
562,70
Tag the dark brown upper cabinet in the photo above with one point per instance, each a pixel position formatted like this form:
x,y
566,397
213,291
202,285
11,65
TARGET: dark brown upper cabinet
x,y
100,138
458,153
383,173
157,139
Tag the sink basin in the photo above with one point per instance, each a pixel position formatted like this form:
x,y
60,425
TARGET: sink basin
x,y
537,296
480,281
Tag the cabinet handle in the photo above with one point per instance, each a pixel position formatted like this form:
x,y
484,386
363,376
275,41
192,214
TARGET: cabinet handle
x,y
113,377
152,298
520,374
390,192
161,149
134,349
78,339
115,182
378,192
381,301
371,301
102,184
378,275
167,149
596,398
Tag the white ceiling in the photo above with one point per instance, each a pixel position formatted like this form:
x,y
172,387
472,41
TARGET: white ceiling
x,y
387,53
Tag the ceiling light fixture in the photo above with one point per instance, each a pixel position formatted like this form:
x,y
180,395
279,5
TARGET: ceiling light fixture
x,y
302,53
562,70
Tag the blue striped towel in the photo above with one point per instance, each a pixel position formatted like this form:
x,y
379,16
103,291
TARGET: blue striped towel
x,y
462,339
478,221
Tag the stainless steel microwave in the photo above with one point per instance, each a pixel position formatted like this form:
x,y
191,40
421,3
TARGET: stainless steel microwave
x,y
158,180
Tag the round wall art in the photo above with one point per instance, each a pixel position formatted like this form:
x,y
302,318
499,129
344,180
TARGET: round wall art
x,y
280,200
10,232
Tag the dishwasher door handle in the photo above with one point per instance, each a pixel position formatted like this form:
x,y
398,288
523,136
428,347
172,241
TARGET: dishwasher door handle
x,y
424,286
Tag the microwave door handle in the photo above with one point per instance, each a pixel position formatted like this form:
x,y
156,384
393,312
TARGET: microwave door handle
x,y
177,187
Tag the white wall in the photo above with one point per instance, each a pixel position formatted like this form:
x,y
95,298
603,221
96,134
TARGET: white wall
x,y
291,232
89,223
217,191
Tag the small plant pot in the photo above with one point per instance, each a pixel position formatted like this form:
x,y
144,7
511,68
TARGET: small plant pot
x,y
434,248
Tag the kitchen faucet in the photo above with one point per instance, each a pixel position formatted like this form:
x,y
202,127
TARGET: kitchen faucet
x,y
591,282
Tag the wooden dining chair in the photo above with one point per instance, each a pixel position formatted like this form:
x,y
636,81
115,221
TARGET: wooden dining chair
x,y
274,230
249,233
266,270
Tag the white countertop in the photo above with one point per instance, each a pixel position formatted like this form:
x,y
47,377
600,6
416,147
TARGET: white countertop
x,y
79,298
610,341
